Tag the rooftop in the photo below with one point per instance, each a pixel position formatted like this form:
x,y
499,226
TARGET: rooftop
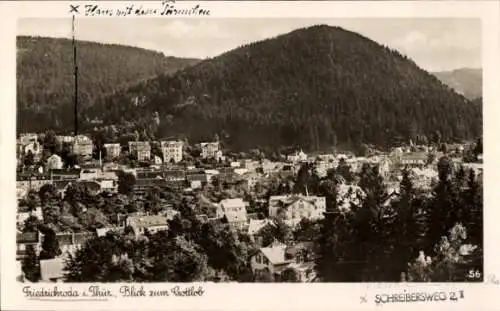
x,y
148,221
275,254
292,198
256,225
232,202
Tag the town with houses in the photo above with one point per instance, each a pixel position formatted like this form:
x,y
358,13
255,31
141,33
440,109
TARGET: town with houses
x,y
246,210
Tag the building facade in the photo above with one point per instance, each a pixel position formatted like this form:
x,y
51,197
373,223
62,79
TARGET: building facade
x,y
235,212
152,223
209,150
83,145
172,151
112,151
142,149
293,208
54,162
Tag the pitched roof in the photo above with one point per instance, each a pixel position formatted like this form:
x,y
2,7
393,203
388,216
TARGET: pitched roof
x,y
256,225
275,254
232,202
238,216
171,143
148,221
290,199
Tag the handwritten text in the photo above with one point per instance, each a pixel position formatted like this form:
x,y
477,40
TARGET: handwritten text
x,y
167,8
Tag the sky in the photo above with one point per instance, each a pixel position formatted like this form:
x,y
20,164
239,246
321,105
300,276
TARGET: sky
x,y
435,44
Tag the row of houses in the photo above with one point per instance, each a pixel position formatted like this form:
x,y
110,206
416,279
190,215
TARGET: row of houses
x,y
172,151
95,180
180,178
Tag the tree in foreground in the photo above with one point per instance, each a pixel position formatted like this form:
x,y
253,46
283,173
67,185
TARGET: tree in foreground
x,y
126,182
290,275
453,262
50,244
30,265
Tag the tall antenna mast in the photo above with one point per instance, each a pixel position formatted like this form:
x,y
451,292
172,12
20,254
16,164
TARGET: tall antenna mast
x,y
75,72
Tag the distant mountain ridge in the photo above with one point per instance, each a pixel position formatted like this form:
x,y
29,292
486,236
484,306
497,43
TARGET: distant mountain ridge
x,y
314,87
45,76
466,81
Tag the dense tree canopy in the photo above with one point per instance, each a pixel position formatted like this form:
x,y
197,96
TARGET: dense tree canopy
x,y
379,239
314,87
45,76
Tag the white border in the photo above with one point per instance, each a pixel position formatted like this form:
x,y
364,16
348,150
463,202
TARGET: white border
x,y
266,296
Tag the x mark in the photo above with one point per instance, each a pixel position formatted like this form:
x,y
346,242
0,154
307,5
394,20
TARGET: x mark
x,y
74,8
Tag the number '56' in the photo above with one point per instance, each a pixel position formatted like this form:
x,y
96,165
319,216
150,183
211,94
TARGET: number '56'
x,y
474,274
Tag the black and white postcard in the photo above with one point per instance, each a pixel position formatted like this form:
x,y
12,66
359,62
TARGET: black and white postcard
x,y
182,154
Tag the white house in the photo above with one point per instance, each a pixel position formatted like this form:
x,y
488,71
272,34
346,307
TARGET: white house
x,y
172,151
112,151
27,138
235,212
157,160
293,208
142,149
83,145
278,257
34,147
270,259
414,159
54,162
153,223
209,150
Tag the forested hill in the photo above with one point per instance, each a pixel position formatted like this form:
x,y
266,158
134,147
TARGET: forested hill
x,y
45,76
466,81
315,87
